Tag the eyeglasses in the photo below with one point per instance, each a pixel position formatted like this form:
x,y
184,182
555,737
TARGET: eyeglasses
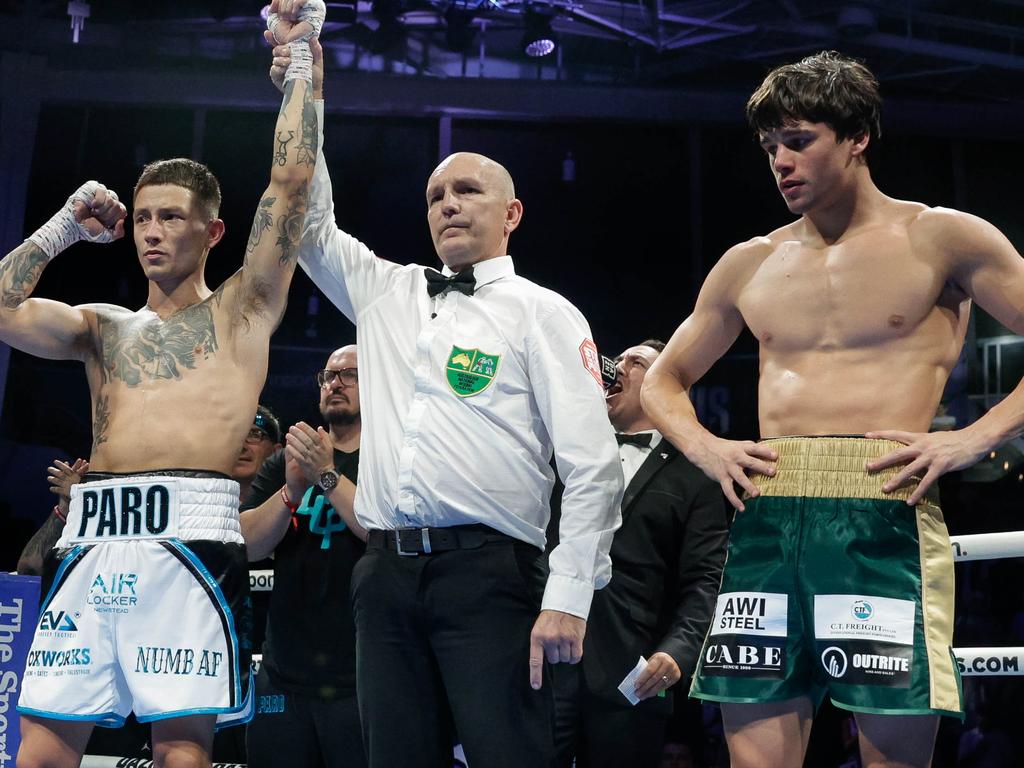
x,y
257,435
349,377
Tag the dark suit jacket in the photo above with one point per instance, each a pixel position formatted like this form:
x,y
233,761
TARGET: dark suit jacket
x,y
667,565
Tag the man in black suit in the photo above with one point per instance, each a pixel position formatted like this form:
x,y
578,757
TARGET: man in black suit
x,y
666,563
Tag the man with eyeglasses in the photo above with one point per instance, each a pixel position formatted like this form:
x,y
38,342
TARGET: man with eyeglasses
x,y
263,439
301,511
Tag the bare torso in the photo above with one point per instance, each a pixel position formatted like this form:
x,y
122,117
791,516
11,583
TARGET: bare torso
x,y
855,336
177,392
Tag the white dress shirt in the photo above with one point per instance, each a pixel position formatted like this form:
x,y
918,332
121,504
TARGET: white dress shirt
x,y
443,446
632,456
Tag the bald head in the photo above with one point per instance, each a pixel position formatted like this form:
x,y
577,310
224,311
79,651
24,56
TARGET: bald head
x,y
471,209
348,352
493,171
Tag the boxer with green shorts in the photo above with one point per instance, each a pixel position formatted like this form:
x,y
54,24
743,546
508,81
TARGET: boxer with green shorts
x,y
839,578
834,588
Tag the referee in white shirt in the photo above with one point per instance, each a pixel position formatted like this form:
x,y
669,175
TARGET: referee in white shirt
x,y
469,380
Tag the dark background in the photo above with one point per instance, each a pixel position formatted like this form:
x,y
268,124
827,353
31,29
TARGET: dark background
x,y
667,176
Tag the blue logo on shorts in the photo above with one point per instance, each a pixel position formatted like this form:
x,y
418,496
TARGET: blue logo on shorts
x,y
862,610
57,621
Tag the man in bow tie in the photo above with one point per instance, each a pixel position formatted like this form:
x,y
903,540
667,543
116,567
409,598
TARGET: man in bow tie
x,y
467,387
667,561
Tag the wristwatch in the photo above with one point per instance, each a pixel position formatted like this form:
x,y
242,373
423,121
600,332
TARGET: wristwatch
x,y
328,480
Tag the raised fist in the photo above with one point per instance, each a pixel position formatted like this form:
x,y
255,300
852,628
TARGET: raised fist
x,y
99,213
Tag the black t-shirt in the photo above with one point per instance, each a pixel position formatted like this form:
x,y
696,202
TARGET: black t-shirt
x,y
310,647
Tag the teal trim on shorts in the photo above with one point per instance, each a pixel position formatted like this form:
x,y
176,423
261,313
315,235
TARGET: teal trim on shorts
x,y
197,711
102,719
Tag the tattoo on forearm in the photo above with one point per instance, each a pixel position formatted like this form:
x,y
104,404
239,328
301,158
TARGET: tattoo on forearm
x,y
263,221
306,148
100,421
134,352
281,154
289,89
20,272
289,224
31,561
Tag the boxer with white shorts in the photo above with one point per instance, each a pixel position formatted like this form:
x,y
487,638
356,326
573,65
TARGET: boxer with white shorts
x,y
174,384
146,604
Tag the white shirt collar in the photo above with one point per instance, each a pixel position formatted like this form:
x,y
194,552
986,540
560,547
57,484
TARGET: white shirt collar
x,y
488,270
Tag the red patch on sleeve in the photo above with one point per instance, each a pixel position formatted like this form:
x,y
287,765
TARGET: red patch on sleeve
x,y
591,360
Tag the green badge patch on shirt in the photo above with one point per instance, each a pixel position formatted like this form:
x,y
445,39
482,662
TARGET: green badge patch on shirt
x,y
470,371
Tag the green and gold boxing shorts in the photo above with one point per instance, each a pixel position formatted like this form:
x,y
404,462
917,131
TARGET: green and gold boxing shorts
x,y
832,586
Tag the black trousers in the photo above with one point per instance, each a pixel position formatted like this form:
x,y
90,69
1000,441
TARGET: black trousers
x,y
601,734
292,731
451,629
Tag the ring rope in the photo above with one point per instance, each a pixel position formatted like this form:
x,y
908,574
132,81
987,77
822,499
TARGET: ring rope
x,y
990,662
987,546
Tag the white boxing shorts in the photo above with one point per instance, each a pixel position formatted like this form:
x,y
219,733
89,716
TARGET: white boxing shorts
x,y
146,604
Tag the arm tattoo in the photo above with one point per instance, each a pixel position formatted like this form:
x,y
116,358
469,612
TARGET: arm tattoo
x,y
31,561
306,148
157,349
289,224
101,421
281,153
20,272
263,221
289,88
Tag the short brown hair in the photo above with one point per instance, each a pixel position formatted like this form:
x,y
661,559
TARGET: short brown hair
x,y
827,87
186,173
656,344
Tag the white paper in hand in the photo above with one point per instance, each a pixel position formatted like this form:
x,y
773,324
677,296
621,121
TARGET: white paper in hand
x,y
628,685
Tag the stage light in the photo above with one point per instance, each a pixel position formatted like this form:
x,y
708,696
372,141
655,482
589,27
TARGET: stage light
x,y
538,39
78,12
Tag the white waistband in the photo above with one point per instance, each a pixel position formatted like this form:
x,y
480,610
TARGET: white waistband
x,y
141,507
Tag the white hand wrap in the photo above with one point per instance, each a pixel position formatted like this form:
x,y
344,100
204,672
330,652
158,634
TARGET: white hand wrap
x,y
64,230
301,67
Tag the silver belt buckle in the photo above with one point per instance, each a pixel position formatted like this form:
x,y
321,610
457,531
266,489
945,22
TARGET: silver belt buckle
x,y
398,545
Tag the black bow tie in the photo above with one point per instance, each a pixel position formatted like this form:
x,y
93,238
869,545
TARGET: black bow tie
x,y
640,441
463,281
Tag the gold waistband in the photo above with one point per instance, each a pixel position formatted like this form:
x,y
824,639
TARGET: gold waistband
x,y
831,468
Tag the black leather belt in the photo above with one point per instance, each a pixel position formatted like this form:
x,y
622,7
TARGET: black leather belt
x,y
427,541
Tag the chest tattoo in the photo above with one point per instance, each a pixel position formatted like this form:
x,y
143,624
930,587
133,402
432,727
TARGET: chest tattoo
x,y
134,351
